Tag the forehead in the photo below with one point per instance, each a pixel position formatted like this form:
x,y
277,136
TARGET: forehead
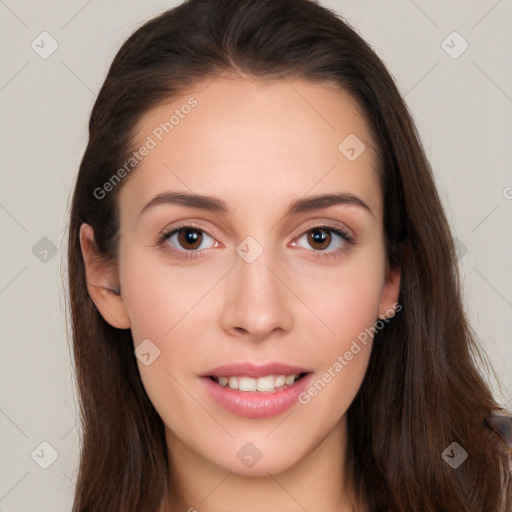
x,y
244,139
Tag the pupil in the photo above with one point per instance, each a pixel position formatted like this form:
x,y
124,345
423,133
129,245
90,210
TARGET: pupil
x,y
190,237
319,237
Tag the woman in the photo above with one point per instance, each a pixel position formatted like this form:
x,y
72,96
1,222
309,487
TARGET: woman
x,y
265,301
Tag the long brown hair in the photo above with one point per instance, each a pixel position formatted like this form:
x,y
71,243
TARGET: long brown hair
x,y
422,390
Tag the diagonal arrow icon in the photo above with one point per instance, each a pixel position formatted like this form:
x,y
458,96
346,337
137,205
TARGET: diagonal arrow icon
x,y
44,45
249,455
454,45
44,250
146,352
249,245
351,147
454,455
44,455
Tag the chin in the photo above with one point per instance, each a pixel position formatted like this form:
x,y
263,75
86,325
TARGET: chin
x,y
261,468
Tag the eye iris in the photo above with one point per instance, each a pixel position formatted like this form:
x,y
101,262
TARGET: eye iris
x,y
189,236
319,236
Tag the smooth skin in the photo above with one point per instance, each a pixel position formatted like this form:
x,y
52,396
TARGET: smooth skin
x,y
257,147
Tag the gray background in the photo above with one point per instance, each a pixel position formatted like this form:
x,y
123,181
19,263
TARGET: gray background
x,y
463,110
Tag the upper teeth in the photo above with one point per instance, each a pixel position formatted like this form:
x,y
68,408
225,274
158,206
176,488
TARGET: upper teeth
x,y
266,383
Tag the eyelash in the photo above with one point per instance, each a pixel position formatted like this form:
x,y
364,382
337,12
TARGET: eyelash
x,y
333,255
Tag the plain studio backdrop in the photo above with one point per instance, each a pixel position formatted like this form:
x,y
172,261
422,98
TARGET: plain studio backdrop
x,y
451,62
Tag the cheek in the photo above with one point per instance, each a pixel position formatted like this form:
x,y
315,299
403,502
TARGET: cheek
x,y
164,304
160,297
348,306
173,308
346,299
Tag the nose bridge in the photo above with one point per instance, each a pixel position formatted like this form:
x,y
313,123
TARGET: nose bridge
x,y
253,275
255,301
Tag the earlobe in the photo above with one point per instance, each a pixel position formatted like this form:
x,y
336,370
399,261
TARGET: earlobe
x,y
102,281
391,291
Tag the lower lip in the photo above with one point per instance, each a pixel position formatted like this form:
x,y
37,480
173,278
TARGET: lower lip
x,y
256,404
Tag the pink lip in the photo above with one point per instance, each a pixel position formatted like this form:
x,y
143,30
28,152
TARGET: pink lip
x,y
255,404
254,370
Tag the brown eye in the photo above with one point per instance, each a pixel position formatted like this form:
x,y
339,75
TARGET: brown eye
x,y
325,241
319,238
187,240
190,238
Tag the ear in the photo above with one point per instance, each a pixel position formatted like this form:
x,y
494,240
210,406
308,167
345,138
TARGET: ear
x,y
390,292
102,281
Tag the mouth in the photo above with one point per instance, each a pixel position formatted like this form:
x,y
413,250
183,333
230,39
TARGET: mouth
x,y
254,390
265,384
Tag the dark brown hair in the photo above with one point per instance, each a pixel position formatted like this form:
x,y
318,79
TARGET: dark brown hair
x,y
422,390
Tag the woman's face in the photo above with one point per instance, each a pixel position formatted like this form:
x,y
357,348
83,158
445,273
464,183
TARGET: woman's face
x,y
257,284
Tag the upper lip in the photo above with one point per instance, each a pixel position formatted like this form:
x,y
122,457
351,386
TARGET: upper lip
x,y
255,370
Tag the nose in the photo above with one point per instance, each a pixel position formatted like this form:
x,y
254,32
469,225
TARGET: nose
x,y
256,303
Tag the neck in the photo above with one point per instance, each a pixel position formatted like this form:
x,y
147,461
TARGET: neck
x,y
316,482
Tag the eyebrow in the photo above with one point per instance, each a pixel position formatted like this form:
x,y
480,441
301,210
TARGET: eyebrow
x,y
215,204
